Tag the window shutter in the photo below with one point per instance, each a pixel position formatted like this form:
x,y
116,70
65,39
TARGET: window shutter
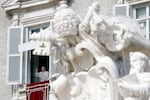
x,y
121,9
14,57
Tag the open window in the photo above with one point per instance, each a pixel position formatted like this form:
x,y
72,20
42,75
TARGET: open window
x,y
38,62
30,61
35,61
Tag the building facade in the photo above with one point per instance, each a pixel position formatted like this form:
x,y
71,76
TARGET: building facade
x,y
25,17
5,93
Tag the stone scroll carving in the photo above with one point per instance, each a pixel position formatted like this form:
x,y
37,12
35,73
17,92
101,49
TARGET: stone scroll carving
x,y
86,53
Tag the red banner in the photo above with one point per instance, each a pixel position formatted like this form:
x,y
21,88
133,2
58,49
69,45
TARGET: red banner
x,y
37,91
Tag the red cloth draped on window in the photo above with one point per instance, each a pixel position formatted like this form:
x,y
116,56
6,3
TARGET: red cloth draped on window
x,y
37,91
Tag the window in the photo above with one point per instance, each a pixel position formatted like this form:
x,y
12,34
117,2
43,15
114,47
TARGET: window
x,y
142,14
121,10
35,61
21,61
36,28
38,62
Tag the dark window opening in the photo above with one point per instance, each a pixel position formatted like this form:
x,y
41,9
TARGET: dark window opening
x,y
38,62
35,30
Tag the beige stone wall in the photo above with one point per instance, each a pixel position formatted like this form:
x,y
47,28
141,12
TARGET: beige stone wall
x,y
5,90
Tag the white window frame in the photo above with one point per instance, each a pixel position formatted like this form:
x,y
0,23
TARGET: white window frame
x,y
27,54
146,18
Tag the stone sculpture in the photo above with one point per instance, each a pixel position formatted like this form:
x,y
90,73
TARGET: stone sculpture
x,y
86,53
136,86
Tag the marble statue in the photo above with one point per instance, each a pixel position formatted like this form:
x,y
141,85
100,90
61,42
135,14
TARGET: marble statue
x,y
86,55
136,86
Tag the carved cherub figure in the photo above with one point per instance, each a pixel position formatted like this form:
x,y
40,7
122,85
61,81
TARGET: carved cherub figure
x,y
136,86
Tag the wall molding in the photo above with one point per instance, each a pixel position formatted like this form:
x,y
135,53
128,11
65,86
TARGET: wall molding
x,y
27,4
